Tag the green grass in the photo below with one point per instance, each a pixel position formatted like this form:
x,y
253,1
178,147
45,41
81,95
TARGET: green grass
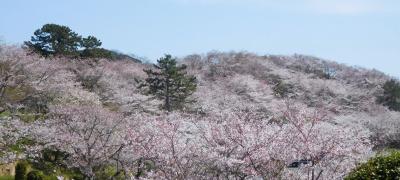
x,y
6,177
24,116
29,117
5,114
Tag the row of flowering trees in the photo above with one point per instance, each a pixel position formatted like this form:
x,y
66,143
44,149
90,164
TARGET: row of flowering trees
x,y
96,116
183,146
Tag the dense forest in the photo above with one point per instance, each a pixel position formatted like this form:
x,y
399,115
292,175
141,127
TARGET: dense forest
x,y
70,109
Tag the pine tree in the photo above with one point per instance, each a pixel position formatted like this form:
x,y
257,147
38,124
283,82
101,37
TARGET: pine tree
x,y
391,95
170,83
53,39
58,40
90,42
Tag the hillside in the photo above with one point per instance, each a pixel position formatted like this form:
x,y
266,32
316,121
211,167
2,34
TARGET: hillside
x,y
254,116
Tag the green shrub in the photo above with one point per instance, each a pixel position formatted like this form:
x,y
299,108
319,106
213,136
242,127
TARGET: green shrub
x,y
51,164
21,144
90,82
97,53
273,78
5,114
283,90
108,172
49,161
380,167
35,175
21,170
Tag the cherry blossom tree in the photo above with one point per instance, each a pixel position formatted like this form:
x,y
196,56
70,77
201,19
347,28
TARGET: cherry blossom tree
x,y
326,149
90,135
168,143
243,147
12,70
242,144
11,130
238,129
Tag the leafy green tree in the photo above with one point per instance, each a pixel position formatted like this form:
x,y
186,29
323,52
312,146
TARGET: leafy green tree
x,y
170,83
391,95
53,39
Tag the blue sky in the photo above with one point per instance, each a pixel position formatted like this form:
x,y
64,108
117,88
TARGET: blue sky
x,y
355,32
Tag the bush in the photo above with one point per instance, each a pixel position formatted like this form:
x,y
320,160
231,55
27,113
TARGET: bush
x,y
50,160
391,95
283,90
380,167
97,53
35,175
109,172
273,78
90,82
21,170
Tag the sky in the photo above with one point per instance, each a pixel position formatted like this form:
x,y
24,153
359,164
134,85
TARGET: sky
x,y
365,33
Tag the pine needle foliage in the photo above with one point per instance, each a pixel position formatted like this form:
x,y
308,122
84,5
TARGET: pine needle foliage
x,y
170,83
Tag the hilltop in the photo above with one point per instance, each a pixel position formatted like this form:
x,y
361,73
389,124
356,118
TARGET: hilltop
x,y
253,116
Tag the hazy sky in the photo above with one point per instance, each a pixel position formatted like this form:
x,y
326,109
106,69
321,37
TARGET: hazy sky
x,y
355,32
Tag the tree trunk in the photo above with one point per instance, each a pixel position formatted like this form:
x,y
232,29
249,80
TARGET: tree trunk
x,y
167,96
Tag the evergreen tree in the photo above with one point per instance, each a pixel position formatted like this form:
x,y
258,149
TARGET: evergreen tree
x,y
90,42
53,39
391,95
97,53
170,83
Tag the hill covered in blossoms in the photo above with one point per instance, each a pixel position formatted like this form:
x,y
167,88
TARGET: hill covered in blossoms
x,y
271,117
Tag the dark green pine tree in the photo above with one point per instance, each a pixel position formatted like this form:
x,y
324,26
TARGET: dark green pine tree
x,y
391,95
170,83
90,42
53,39
93,50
